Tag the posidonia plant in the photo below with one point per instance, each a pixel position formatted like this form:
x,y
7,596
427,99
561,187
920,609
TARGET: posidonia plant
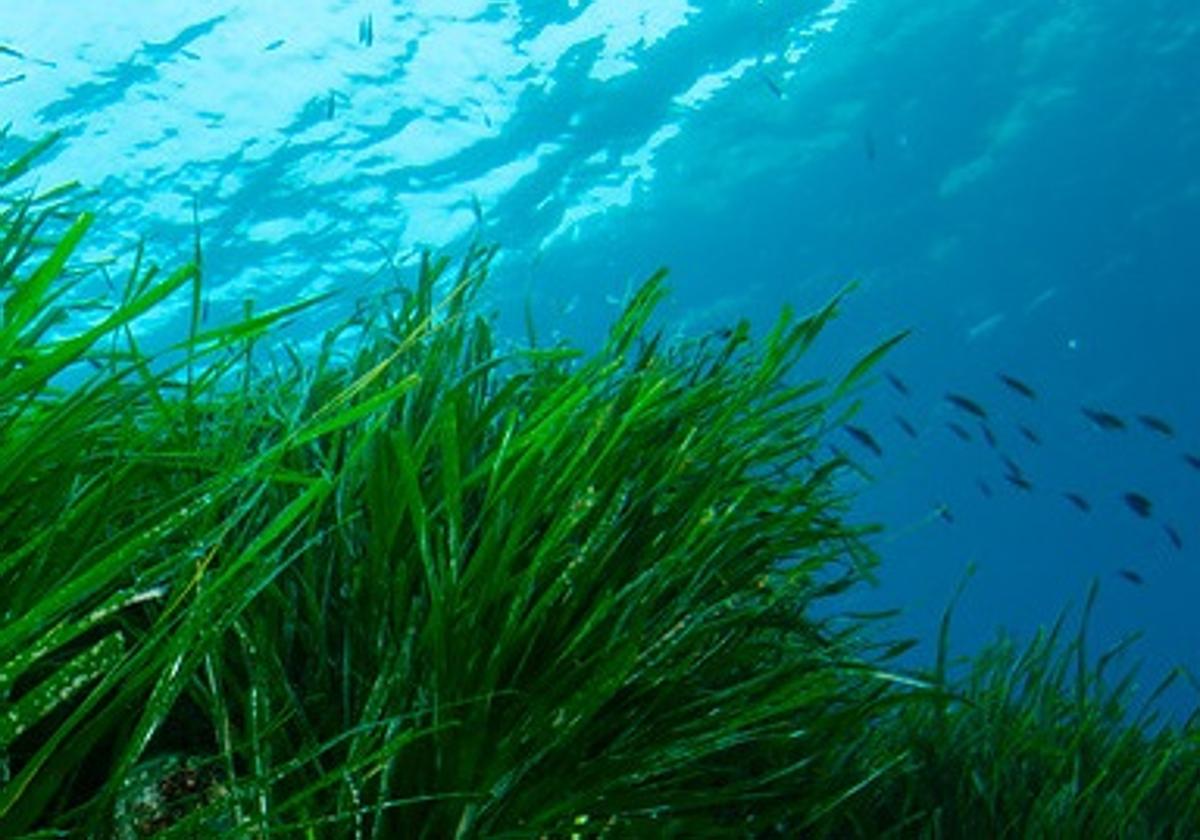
x,y
417,585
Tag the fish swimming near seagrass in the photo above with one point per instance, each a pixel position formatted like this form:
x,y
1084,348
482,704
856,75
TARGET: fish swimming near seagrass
x,y
1139,504
988,434
899,384
1078,501
1173,536
1015,475
959,431
865,438
1012,466
1019,481
966,404
1156,424
908,427
1104,419
1018,386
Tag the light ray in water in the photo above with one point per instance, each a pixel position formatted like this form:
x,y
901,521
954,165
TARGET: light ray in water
x,y
985,326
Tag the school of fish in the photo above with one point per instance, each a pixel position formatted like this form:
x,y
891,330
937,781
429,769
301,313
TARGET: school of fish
x,y
972,420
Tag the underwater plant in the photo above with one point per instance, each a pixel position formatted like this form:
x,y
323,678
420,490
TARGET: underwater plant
x,y
1038,741
414,586
420,583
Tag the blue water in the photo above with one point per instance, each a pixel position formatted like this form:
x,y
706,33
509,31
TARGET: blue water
x,y
1017,182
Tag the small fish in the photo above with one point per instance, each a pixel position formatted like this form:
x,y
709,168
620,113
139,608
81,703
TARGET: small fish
x,y
984,487
1017,385
943,511
1192,461
1104,419
775,89
988,434
958,430
1078,500
1131,576
274,45
1156,424
1139,504
1030,435
1019,481
1012,466
1173,536
906,426
897,383
366,31
966,404
189,54
865,438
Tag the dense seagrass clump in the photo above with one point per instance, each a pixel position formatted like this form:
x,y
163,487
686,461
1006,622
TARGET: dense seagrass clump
x,y
410,584
1034,740
417,582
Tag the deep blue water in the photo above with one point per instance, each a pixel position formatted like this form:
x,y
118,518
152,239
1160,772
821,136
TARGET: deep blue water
x,y
1019,183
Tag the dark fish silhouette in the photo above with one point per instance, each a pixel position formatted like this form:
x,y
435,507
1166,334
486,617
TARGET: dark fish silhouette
x,y
1139,504
1013,466
1018,386
865,438
1015,475
988,434
1104,419
959,431
1156,424
1131,576
897,382
1079,502
984,487
1173,536
1193,461
1030,435
1019,481
906,426
966,404
947,515
775,89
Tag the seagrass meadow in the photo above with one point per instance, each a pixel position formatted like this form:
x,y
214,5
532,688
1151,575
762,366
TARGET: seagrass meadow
x,y
424,583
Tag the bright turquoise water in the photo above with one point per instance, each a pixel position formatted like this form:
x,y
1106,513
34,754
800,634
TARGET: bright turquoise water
x,y
1018,182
